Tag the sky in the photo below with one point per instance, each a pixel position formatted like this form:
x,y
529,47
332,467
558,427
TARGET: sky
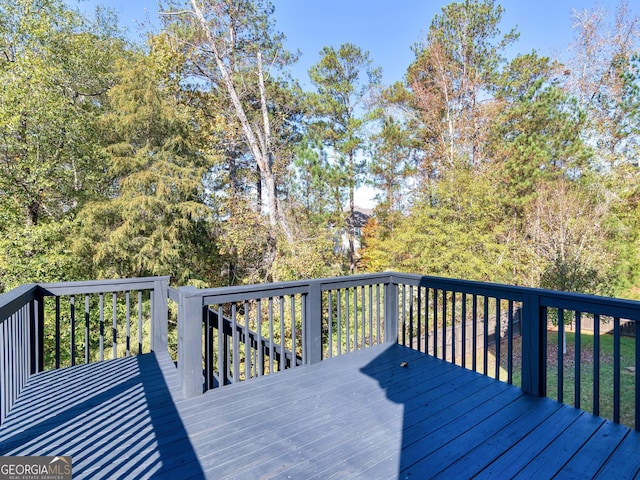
x,y
387,29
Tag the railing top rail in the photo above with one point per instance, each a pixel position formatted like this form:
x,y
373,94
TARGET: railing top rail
x,y
15,299
508,292
100,286
249,292
595,304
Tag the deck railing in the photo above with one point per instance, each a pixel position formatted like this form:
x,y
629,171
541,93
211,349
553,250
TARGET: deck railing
x,y
54,325
563,345
515,334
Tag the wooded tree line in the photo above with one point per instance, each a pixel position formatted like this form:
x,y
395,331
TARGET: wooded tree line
x,y
195,154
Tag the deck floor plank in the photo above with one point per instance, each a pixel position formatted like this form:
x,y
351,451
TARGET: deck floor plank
x,y
360,415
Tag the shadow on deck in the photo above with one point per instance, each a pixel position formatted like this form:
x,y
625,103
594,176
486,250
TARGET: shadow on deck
x,y
359,415
117,419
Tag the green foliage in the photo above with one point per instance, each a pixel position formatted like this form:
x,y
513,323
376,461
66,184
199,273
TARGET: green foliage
x,y
536,135
344,79
453,233
566,228
391,164
157,222
54,71
451,80
38,253
196,156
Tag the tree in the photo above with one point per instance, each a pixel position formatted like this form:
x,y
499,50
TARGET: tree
x,y
233,45
55,70
391,165
344,79
599,75
536,134
451,80
567,232
457,233
156,221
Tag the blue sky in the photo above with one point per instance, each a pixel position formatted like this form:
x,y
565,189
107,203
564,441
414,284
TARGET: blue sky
x,y
386,28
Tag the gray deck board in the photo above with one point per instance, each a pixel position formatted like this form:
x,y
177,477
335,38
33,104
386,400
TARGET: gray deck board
x,y
361,415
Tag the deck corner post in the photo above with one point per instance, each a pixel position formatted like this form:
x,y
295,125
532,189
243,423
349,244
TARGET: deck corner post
x,y
160,319
190,317
533,327
313,324
391,311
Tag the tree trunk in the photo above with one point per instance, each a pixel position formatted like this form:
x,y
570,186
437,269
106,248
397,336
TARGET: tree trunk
x,y
255,139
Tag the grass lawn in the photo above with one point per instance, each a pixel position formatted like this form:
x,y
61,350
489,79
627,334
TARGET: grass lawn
x,y
587,370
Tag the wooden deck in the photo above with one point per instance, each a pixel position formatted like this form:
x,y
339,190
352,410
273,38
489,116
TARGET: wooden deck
x,y
361,415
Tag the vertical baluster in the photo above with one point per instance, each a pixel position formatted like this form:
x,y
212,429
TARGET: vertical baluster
x,y
419,309
140,349
101,306
616,370
72,304
330,324
86,329
3,361
637,375
404,315
259,345
378,314
444,324
411,314
453,327
464,331
236,343
12,348
485,322
57,301
576,399
114,326
474,332
355,318
561,342
282,363
370,291
222,361
303,328
426,320
498,337
272,350
435,322
348,326
339,324
363,318
208,350
8,362
128,324
294,356
247,346
596,365
510,343
18,357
